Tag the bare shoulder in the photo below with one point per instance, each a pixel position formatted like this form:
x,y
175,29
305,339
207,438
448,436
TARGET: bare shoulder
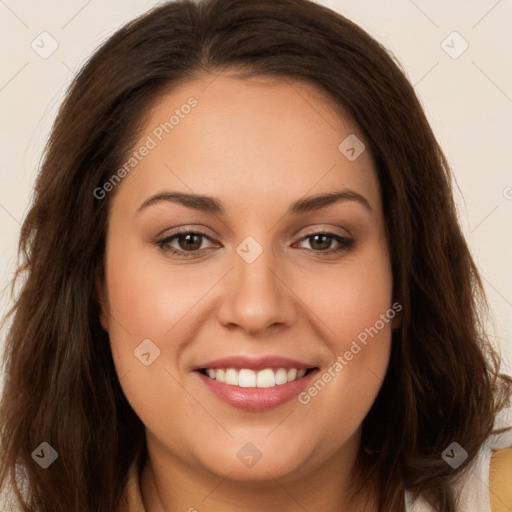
x,y
500,480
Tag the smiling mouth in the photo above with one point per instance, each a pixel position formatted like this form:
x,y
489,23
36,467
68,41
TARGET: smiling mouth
x,y
247,378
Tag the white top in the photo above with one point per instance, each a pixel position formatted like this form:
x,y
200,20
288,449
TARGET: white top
x,y
474,488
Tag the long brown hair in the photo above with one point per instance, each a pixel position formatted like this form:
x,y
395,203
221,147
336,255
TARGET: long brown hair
x,y
61,386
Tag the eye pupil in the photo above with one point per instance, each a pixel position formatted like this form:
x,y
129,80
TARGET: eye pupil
x,y
188,237
323,245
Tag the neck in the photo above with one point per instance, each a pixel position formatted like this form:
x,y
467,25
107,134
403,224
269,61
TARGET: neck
x,y
169,484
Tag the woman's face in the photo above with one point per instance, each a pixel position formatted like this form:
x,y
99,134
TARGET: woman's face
x,y
250,295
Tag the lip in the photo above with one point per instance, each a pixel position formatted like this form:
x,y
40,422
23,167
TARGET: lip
x,y
254,363
257,399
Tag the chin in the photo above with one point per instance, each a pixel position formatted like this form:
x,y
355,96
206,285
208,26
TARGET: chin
x,y
255,461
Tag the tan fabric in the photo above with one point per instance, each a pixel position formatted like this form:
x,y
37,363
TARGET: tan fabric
x,y
501,480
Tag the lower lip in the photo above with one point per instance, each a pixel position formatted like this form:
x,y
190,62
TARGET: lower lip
x,y
257,399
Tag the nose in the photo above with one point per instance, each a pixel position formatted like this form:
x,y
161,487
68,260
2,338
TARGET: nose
x,y
256,296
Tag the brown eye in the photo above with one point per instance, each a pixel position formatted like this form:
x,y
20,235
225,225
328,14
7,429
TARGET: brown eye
x,y
322,243
185,244
189,241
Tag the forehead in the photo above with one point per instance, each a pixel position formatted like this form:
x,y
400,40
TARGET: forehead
x,y
252,142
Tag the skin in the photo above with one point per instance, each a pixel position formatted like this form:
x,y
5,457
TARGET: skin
x,y
257,145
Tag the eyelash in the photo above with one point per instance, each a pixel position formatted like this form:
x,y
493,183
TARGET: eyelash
x,y
346,244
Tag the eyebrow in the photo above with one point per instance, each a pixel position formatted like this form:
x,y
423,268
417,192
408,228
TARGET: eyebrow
x,y
214,205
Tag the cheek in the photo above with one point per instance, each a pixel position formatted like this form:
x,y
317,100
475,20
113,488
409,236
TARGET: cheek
x,y
148,308
354,301
359,309
147,298
143,306
357,312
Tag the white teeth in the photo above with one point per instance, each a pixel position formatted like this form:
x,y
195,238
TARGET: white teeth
x,y
266,378
281,376
292,374
246,378
231,377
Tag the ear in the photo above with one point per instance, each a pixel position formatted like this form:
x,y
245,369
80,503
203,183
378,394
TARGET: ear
x,y
100,297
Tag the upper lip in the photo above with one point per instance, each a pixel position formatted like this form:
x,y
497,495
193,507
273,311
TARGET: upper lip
x,y
253,363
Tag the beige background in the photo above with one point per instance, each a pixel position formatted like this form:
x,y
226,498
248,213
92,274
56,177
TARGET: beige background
x,y
468,100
